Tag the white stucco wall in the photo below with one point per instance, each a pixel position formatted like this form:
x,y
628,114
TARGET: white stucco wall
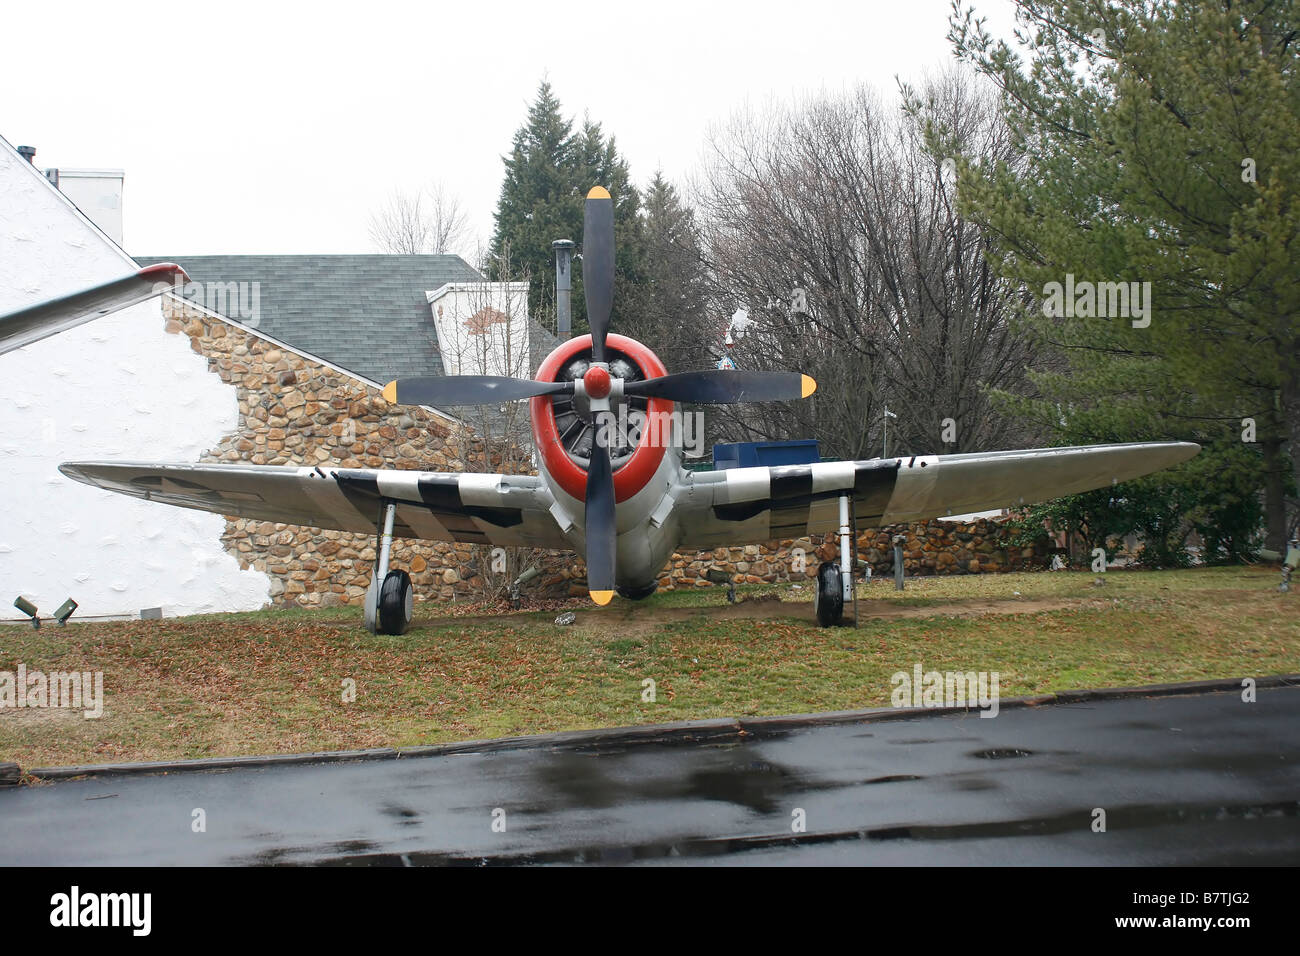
x,y
116,388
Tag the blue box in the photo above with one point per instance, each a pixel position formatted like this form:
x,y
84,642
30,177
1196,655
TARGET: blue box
x,y
751,454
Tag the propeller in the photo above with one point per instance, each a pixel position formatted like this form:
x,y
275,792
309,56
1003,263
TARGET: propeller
x,y
469,389
598,287
709,387
598,520
598,266
717,387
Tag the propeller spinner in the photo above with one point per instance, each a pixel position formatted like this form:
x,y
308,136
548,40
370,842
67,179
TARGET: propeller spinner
x,y
708,387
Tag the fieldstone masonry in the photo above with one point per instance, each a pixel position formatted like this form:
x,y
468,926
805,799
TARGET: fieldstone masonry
x,y
932,547
294,410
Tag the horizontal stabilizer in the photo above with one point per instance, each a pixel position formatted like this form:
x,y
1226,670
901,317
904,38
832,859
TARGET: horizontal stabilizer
x,y
49,318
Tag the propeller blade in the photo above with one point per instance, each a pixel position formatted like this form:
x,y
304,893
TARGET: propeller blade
x,y
600,526
598,266
468,390
717,387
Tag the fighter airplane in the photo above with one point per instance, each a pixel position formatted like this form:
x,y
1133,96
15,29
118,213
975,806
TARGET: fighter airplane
x,y
623,505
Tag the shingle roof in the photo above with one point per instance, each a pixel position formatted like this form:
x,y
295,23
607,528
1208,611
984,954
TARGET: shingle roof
x,y
367,314
541,343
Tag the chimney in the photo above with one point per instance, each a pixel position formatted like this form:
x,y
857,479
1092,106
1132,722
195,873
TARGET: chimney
x,y
97,193
27,152
563,286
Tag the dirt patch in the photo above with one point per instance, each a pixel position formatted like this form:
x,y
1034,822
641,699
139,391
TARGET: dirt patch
x,y
974,607
631,620
774,607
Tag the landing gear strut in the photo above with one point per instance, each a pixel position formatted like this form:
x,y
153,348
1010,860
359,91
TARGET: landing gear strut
x,y
835,581
390,599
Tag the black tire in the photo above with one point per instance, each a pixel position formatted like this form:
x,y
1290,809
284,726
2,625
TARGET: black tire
x,y
396,602
828,598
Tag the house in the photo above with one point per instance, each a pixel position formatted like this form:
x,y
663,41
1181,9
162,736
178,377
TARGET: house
x,y
368,314
115,388
265,359
483,329
379,317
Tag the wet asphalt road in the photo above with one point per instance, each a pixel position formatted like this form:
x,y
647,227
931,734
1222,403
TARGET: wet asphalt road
x,y
1203,779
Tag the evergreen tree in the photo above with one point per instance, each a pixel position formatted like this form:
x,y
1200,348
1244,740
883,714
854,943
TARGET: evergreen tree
x,y
598,163
535,205
670,312
548,173
1159,143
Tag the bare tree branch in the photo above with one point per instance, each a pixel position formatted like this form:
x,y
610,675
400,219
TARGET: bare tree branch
x,y
448,220
833,224
401,227
432,221
487,333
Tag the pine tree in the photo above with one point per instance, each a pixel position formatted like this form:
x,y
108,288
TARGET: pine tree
x,y
1160,144
670,313
548,173
534,207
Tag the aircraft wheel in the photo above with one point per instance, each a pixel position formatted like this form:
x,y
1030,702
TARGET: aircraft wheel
x,y
828,598
396,603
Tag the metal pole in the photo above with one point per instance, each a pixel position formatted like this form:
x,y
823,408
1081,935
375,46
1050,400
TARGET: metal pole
x,y
898,561
563,287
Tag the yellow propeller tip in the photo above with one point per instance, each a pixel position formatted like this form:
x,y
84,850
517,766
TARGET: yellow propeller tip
x,y
809,386
602,597
390,393
598,192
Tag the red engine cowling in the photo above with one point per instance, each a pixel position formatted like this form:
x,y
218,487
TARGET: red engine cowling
x,y
562,449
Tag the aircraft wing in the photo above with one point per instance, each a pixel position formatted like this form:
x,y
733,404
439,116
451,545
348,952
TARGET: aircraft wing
x,y
506,510
48,318
755,505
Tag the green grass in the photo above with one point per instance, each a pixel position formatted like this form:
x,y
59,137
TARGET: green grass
x,y
271,681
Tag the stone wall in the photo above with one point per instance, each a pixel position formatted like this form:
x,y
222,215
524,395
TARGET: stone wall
x,y
293,410
932,547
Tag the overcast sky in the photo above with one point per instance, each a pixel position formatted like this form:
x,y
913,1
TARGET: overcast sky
x,y
279,128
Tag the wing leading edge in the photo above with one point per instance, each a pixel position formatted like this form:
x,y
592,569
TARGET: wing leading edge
x,y
756,505
505,510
